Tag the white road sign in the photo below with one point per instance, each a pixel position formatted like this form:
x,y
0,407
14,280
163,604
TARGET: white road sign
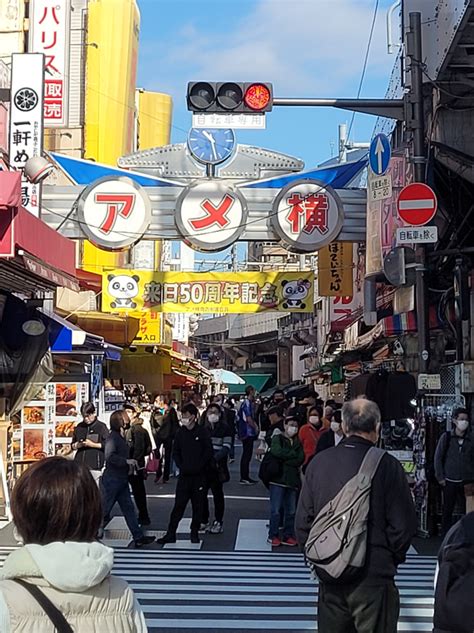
x,y
380,187
429,382
234,120
417,235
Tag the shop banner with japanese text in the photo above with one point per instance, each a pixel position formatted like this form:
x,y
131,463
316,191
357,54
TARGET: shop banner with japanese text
x,y
207,293
335,270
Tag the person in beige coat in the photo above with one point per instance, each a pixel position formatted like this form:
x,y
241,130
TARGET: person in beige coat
x,y
57,513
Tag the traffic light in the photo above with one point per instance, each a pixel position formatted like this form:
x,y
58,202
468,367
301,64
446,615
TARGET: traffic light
x,y
227,97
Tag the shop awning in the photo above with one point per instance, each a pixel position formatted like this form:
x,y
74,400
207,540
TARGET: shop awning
x,y
118,330
33,256
258,381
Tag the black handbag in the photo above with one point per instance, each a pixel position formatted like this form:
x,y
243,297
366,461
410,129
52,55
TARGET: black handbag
x,y
53,613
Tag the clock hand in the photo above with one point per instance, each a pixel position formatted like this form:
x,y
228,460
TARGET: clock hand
x,y
213,145
208,136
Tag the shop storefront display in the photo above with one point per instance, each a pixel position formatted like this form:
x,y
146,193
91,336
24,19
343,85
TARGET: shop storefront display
x,y
47,422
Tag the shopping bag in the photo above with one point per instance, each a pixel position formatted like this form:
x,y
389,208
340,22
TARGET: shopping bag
x,y
152,464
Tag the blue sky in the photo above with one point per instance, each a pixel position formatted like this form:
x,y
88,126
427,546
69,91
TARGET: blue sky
x,y
305,47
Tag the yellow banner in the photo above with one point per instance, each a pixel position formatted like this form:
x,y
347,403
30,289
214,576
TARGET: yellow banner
x,y
207,293
150,329
335,277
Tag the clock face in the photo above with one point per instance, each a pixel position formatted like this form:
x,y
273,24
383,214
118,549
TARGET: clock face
x,y
211,145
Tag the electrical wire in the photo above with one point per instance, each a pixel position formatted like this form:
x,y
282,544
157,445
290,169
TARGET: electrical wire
x,y
366,60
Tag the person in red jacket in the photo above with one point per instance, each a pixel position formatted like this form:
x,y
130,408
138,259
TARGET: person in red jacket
x,y
311,432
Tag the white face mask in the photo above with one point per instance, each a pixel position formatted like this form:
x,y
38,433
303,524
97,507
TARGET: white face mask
x,y
213,418
314,419
187,422
335,427
291,431
462,425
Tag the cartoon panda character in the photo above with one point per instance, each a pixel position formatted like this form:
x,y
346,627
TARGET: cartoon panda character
x,y
294,292
123,288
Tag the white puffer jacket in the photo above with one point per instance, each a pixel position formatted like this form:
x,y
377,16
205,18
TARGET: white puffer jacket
x,y
76,578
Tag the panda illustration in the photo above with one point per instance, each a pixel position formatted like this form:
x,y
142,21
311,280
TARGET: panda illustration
x,y
294,292
123,288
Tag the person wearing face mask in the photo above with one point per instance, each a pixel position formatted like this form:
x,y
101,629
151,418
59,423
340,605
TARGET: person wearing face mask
x,y
218,472
452,462
115,486
334,435
311,433
287,448
192,453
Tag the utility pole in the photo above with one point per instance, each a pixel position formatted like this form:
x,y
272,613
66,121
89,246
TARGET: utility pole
x,y
416,124
233,257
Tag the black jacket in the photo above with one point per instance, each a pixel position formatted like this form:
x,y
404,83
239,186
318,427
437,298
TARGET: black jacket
x,y
93,458
139,442
453,460
193,450
117,452
327,440
453,610
392,517
165,425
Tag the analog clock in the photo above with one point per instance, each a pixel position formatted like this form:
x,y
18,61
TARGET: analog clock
x,y
211,146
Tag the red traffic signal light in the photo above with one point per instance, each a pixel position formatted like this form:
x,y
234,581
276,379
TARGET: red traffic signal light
x,y
226,97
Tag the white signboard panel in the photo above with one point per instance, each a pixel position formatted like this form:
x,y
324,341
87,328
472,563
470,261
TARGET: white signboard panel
x,y
417,235
235,121
380,187
429,382
26,120
49,34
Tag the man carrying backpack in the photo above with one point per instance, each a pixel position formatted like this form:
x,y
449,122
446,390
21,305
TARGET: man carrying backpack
x,y
356,519
453,465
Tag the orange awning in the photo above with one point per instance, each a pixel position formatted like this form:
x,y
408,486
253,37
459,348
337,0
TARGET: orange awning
x,y
119,330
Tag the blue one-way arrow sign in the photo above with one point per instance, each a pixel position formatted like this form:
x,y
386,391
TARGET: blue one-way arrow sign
x,y
379,154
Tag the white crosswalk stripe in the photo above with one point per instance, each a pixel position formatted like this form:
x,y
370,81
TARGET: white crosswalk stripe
x,y
182,590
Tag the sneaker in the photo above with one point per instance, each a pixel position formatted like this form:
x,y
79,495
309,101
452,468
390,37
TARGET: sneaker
x,y
195,538
216,528
247,482
204,527
144,540
275,541
167,538
290,541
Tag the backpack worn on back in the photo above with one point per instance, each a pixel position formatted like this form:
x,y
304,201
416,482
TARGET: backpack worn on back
x,y
337,541
271,468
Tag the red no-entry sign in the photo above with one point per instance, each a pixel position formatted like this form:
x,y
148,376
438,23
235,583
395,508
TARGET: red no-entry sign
x,y
417,204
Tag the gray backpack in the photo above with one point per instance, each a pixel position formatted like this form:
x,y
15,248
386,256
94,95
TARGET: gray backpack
x,y
337,541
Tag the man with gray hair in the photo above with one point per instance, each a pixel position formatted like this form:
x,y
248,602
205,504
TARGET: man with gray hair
x,y
369,602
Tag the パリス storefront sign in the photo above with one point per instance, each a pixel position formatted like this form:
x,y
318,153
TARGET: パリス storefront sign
x,y
26,120
211,215
307,215
335,270
49,34
114,213
137,290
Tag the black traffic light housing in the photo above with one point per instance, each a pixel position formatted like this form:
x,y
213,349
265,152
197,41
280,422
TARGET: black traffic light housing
x,y
225,97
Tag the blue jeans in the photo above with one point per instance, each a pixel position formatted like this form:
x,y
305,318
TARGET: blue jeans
x,y
282,501
114,491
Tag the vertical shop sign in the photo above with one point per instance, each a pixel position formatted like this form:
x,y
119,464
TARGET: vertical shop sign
x,y
26,120
49,34
335,274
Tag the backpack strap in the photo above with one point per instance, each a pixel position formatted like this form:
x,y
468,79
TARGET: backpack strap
x,y
53,613
370,463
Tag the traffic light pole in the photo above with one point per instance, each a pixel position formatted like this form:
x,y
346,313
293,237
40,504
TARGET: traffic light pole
x,y
391,108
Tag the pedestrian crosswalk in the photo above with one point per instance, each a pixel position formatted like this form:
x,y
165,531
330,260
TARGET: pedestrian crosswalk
x,y
184,590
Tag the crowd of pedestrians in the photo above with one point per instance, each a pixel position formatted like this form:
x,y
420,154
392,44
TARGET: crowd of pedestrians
x,y
331,491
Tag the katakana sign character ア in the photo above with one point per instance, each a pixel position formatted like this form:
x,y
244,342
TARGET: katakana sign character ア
x,y
216,215
312,209
117,204
152,292
231,292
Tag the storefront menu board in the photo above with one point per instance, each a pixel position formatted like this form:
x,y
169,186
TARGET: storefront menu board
x,y
47,422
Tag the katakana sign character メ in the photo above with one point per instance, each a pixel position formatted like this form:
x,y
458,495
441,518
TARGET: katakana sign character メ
x,y
216,215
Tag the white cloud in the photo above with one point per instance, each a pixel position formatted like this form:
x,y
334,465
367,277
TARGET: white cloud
x,y
305,47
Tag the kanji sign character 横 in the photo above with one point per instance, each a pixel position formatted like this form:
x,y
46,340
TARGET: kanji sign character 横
x,y
308,213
